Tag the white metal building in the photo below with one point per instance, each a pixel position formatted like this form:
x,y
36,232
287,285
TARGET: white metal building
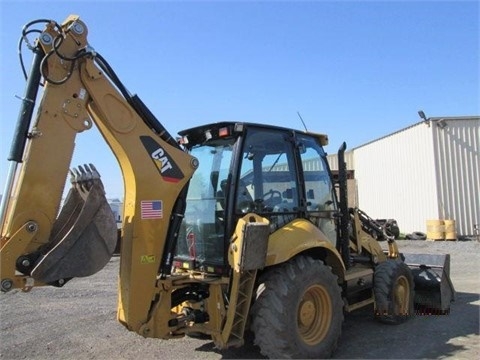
x,y
428,171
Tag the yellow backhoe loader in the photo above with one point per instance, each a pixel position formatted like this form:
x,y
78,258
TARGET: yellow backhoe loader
x,y
231,226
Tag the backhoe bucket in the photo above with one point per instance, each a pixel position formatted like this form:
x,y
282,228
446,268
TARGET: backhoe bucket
x,y
434,290
84,235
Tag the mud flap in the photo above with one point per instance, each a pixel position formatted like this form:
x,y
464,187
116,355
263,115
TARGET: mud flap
x,y
84,235
433,287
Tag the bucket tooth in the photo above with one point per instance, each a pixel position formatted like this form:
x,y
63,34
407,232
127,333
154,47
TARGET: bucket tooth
x,y
83,236
434,290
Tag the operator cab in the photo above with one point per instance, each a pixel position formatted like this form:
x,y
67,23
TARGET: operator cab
x,y
275,172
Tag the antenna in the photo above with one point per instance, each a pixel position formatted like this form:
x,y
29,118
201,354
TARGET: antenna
x,y
300,116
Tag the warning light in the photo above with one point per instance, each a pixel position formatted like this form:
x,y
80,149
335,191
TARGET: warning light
x,y
223,132
182,140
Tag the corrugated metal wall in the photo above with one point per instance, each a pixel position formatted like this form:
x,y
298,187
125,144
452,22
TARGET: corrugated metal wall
x,y
396,178
428,171
457,161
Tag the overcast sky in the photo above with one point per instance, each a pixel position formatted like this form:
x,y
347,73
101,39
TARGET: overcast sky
x,y
356,70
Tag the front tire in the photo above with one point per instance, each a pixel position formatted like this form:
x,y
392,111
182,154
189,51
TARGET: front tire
x,y
298,312
393,289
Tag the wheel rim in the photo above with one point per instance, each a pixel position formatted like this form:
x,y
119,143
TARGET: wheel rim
x,y
402,295
314,315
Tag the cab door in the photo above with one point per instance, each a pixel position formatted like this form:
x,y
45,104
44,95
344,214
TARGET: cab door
x,y
320,199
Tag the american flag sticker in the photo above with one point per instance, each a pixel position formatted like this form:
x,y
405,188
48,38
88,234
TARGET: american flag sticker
x,y
151,209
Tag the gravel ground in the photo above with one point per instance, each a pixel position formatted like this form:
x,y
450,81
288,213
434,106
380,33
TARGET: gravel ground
x,y
79,322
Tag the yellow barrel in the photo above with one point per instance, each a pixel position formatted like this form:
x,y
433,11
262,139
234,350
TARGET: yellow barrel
x,y
435,229
450,231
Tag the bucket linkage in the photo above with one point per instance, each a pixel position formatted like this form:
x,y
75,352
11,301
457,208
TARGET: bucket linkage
x,y
84,235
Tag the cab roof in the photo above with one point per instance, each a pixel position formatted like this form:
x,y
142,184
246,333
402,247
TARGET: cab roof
x,y
197,134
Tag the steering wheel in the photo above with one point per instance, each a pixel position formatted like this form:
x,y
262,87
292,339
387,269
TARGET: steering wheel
x,y
272,197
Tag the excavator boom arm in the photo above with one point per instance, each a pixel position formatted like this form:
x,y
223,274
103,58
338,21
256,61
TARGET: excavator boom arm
x,y
40,246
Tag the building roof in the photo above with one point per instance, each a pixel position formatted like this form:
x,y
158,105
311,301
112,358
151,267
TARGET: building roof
x,y
431,119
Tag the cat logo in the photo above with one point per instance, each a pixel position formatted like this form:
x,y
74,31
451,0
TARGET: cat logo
x,y
166,166
160,155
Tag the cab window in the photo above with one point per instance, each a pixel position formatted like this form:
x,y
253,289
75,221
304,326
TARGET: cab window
x,y
267,179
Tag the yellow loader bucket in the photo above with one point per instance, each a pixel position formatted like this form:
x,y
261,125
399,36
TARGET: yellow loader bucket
x,y
83,236
434,290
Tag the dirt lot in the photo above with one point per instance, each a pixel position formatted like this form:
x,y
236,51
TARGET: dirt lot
x,y
79,322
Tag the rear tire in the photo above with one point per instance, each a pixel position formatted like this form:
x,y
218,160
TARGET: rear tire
x,y
393,289
298,312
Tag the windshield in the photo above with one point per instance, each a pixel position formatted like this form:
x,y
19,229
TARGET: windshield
x,y
202,231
